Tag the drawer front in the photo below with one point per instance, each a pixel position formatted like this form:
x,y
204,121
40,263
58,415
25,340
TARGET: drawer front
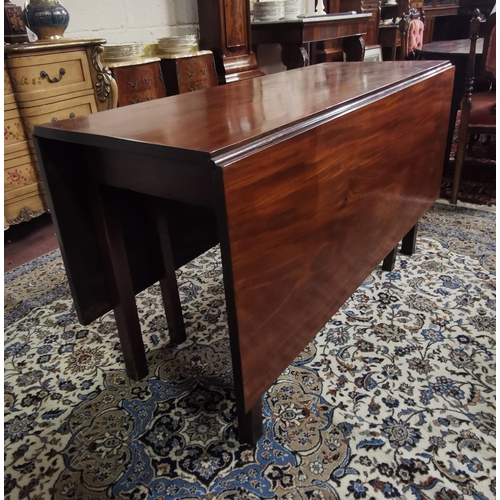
x,y
139,83
194,85
13,128
128,98
196,69
70,108
38,77
15,150
19,172
9,102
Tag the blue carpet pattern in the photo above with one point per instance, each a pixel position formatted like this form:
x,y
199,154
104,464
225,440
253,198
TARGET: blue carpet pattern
x,y
393,399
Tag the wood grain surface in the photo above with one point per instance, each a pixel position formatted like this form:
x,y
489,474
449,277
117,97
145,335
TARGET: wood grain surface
x,y
225,118
320,212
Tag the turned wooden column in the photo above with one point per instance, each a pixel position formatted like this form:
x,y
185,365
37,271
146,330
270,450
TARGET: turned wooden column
x,y
225,30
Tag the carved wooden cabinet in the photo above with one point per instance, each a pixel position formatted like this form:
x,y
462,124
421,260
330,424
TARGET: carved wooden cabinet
x,y
183,74
225,30
22,199
44,82
138,81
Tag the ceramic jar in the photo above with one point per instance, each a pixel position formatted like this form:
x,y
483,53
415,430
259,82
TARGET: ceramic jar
x,y
48,19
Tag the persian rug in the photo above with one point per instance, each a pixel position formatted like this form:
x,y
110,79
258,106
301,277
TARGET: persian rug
x,y
393,399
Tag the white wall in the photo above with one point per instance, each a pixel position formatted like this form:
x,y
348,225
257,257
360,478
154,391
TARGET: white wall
x,y
129,20
144,21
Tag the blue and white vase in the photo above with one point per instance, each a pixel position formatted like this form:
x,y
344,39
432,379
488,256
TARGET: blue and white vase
x,y
48,19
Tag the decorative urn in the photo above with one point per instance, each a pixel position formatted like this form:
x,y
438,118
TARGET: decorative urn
x,y
48,19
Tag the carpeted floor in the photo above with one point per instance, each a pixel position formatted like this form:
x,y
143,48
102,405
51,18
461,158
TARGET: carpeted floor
x,y
394,398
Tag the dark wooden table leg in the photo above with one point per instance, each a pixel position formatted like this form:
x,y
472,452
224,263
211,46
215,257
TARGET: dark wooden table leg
x,y
108,225
294,55
354,48
168,284
250,426
409,241
390,260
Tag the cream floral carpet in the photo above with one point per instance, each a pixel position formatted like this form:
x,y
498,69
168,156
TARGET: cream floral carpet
x,y
394,398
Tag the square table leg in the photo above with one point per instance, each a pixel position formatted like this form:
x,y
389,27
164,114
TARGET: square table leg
x,y
119,280
250,426
409,241
390,260
168,284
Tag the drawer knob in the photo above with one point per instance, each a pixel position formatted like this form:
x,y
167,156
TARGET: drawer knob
x,y
150,98
203,71
44,74
54,119
147,80
72,115
135,101
190,73
133,84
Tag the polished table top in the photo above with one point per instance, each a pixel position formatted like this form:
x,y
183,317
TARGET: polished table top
x,y
451,47
229,117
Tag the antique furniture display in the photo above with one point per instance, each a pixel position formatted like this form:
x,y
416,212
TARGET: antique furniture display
x,y
478,110
411,28
188,73
225,30
273,169
50,81
22,193
138,80
457,52
293,34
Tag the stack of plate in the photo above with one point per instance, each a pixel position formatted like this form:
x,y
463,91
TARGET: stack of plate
x,y
292,9
268,11
122,51
178,45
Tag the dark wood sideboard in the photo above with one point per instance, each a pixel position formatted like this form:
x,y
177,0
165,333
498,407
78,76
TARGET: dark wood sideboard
x,y
293,34
307,178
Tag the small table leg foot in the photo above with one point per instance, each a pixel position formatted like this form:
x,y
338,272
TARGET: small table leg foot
x,y
390,260
409,241
250,427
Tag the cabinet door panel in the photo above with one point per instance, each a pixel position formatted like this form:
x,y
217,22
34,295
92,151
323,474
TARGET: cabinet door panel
x,y
236,25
